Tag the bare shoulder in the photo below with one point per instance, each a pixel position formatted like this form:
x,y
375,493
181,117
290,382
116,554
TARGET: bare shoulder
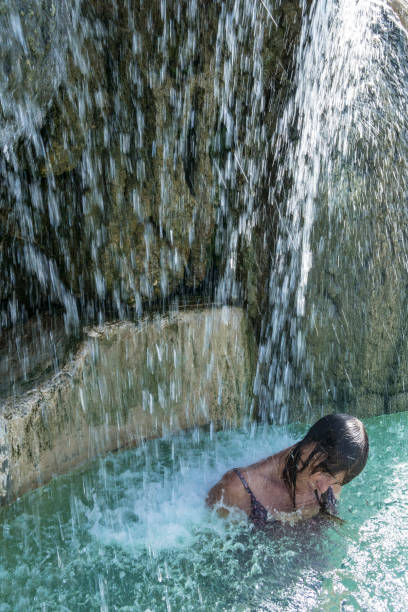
x,y
277,497
229,490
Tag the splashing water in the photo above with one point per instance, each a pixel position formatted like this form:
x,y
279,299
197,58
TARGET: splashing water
x,y
132,532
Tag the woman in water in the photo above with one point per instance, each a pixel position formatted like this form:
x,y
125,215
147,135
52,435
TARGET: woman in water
x,y
300,481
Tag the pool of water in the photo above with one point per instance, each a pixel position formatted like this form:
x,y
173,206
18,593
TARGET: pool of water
x,y
132,532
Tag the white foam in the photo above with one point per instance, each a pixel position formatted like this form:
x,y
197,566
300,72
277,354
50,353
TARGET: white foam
x,y
160,508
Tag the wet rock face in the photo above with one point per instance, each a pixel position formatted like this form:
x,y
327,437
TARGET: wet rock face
x,y
123,186
357,328
138,159
357,294
33,352
346,351
34,40
357,335
401,11
127,383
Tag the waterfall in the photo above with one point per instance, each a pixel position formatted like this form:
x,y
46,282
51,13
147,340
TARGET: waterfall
x,y
130,178
157,153
349,97
203,247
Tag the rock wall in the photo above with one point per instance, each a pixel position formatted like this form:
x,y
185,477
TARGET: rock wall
x,y
137,123
356,320
137,164
345,351
357,316
127,383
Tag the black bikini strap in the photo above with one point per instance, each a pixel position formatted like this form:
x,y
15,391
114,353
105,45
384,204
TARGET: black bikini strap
x,y
259,513
244,482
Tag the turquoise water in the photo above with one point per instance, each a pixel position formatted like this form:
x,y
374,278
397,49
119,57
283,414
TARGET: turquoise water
x,y
131,532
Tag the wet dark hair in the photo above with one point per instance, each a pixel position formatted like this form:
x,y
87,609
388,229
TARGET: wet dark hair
x,y
340,444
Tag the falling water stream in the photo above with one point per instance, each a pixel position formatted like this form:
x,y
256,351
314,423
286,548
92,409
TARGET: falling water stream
x,y
252,154
348,165
165,169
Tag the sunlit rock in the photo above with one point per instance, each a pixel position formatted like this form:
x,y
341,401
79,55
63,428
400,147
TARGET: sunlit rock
x,y
127,383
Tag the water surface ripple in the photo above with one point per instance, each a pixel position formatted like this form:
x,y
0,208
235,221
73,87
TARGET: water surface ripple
x,y
131,532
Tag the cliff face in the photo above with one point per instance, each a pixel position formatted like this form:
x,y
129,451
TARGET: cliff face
x,y
123,124
139,154
355,323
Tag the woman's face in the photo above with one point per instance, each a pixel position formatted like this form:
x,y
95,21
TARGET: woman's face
x,y
322,481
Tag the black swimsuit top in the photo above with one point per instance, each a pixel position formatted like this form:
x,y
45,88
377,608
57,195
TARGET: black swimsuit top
x,y
259,514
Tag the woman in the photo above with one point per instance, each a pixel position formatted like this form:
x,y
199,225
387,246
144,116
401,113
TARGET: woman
x,y
305,478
